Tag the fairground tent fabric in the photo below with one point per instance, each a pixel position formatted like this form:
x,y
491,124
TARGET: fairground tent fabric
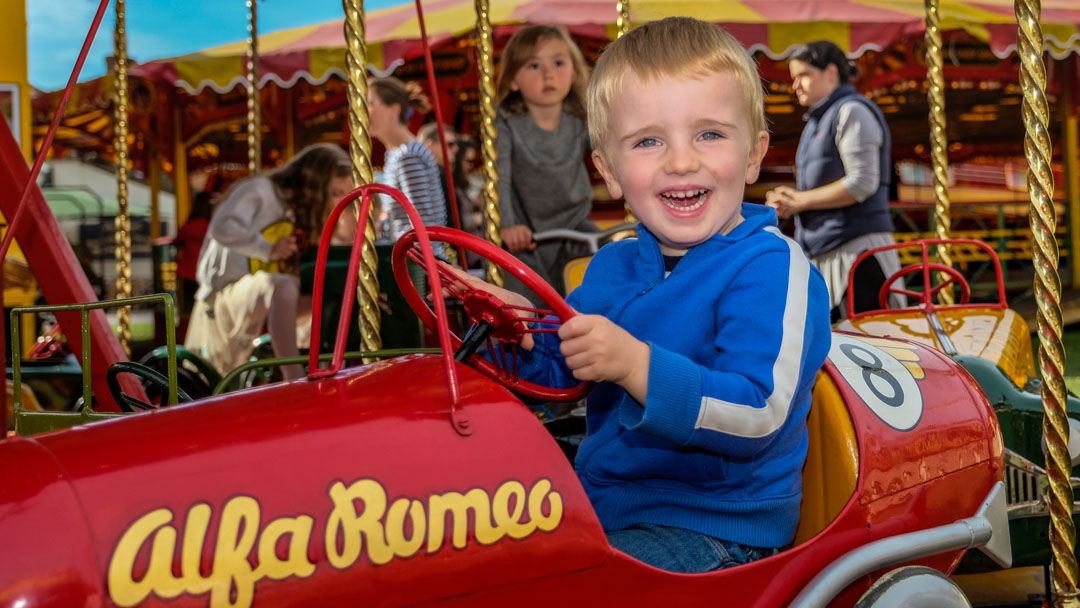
x,y
316,52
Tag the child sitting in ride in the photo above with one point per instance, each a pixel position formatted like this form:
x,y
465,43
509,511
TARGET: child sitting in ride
x,y
244,280
706,332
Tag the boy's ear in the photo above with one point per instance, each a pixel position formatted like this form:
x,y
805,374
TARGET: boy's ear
x,y
605,172
757,154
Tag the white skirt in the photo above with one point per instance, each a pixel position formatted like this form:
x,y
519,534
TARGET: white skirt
x,y
835,266
223,328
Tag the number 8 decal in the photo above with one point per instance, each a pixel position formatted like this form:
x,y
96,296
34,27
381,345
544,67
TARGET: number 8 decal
x,y
880,380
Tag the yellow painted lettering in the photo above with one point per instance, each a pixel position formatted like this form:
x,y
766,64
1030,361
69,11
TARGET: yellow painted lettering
x,y
299,531
345,520
124,590
458,505
537,494
231,573
198,520
513,511
236,538
510,523
395,527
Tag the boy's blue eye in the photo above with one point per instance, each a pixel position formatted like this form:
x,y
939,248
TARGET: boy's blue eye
x,y
648,142
711,135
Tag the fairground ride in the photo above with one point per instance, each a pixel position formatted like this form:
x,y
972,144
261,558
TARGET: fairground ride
x,y
1037,148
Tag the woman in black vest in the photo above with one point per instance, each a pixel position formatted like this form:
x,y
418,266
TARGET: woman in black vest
x,y
841,205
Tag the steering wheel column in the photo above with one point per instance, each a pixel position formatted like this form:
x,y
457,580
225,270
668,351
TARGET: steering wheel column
x,y
499,325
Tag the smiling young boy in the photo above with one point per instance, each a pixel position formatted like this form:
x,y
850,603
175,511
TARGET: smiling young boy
x,y
705,333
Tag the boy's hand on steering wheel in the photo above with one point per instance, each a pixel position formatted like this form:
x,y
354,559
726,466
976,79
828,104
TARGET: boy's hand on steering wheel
x,y
517,238
598,350
508,297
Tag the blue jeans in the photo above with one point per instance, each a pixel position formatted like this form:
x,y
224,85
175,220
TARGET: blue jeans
x,y
679,550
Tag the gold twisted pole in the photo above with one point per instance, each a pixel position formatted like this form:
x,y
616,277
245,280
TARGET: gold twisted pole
x,y
623,23
367,290
488,153
120,144
254,112
939,151
1040,178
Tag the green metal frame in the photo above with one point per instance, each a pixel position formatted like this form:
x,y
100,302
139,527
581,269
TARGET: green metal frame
x,y
231,377
32,423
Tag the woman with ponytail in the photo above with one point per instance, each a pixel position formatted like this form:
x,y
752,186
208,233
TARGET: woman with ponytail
x,y
408,165
841,203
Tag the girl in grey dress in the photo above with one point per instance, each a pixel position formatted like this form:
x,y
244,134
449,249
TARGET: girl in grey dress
x,y
542,142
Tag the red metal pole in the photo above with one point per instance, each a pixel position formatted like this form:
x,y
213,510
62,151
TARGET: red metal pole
x,y
56,268
50,256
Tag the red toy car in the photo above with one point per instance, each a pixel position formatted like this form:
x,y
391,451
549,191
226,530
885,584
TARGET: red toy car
x,y
421,480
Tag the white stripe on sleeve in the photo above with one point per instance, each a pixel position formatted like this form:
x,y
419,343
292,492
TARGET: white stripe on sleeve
x,y
748,421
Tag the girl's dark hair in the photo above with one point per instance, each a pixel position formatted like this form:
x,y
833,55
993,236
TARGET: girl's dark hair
x,y
465,144
821,53
409,96
517,53
304,183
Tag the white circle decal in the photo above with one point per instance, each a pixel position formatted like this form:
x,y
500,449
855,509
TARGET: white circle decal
x,y
880,380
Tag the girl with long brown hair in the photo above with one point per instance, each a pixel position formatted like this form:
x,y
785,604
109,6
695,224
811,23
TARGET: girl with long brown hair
x,y
243,278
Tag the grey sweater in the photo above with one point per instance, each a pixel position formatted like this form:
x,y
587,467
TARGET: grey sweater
x,y
235,234
543,180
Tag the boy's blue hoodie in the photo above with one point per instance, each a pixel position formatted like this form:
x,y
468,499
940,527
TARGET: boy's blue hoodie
x,y
737,332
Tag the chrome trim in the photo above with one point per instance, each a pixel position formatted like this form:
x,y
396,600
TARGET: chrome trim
x,y
1026,487
987,529
939,332
914,587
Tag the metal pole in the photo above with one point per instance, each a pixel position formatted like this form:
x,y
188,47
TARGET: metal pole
x,y
290,128
623,25
254,115
180,172
367,291
488,152
1071,154
154,177
623,22
1040,179
123,218
939,151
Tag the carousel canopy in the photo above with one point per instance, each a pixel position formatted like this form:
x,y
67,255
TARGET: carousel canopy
x,y
317,52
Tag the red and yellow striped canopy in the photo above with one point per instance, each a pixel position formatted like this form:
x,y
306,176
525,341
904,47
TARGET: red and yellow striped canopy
x,y
773,26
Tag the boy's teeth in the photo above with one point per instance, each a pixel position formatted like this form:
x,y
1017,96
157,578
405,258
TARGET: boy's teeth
x,y
692,194
685,200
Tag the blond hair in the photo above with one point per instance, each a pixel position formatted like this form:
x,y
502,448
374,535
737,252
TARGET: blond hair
x,y
429,132
520,49
678,47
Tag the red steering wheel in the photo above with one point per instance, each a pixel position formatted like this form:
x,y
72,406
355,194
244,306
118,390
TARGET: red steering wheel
x,y
498,324
926,297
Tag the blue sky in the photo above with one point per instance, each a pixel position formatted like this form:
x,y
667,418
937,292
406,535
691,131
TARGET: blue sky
x,y
156,28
